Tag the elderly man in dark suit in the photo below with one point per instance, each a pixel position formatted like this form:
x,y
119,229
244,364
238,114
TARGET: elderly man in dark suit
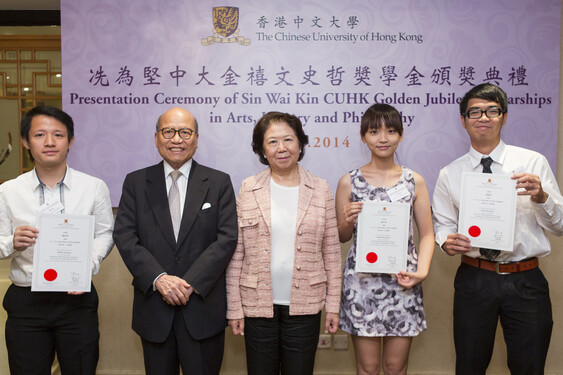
x,y
176,229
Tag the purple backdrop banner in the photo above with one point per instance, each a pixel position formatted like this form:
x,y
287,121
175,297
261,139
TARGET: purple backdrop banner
x,y
127,61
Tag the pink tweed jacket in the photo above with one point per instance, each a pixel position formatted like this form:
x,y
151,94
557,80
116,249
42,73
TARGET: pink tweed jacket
x,y
317,272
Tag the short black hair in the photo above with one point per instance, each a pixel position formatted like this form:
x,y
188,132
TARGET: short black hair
x,y
485,91
54,112
381,114
271,118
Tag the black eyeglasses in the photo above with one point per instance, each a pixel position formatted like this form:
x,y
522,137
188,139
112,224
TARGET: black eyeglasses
x,y
475,113
169,133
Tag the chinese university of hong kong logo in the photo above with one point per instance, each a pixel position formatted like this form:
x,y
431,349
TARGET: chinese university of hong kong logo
x,y
225,27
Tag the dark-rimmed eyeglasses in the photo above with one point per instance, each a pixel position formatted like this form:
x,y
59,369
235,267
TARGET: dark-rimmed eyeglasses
x,y
476,113
169,133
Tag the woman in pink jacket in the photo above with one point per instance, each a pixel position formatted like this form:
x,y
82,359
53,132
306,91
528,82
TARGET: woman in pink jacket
x,y
287,264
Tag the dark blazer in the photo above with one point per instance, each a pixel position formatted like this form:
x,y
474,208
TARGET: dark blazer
x,y
207,239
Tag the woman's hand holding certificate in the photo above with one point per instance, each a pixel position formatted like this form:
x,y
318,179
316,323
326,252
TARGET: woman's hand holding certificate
x,y
382,242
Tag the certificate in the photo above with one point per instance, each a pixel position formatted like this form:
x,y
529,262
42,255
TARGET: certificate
x,y
487,210
62,257
382,238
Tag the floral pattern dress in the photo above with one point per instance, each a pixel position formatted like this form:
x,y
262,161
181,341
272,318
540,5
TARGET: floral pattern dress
x,y
375,304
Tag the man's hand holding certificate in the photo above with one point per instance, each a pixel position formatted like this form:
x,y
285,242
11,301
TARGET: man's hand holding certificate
x,y
487,210
62,258
383,232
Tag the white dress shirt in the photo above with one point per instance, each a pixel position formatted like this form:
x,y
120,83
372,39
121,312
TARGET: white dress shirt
x,y
81,195
531,218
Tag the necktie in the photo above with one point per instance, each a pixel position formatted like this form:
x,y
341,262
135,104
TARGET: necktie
x,y
490,254
174,202
486,162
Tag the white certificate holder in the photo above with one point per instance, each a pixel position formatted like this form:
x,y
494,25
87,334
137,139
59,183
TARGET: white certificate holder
x,y
487,210
382,237
62,256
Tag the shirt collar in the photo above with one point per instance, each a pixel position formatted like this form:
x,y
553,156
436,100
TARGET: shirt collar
x,y
498,155
185,169
66,181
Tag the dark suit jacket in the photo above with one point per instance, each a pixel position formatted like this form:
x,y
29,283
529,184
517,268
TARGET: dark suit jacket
x,y
145,239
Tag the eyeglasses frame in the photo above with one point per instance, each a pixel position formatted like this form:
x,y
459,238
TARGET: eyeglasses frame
x,y
176,131
466,114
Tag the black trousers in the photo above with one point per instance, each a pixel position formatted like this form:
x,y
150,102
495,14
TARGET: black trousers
x,y
42,323
283,342
521,302
180,349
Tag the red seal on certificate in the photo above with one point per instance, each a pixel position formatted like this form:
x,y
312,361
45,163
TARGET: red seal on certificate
x,y
371,257
474,231
50,274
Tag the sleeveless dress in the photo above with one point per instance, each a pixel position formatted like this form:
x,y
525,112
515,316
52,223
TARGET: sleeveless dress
x,y
375,304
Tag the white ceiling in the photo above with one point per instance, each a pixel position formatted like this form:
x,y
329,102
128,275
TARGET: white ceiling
x,y
30,4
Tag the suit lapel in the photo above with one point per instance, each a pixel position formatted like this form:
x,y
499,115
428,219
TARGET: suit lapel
x,y
261,190
158,200
262,193
305,195
198,186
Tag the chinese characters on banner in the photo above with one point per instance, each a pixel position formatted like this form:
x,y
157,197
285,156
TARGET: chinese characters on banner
x,y
325,62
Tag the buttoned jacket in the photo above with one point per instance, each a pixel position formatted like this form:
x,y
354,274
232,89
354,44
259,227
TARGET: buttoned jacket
x,y
317,272
144,236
